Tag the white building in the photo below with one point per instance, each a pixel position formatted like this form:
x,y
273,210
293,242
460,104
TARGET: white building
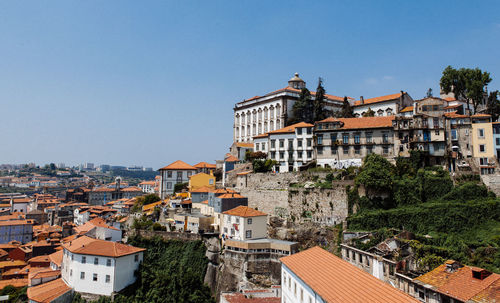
x,y
99,267
388,105
175,173
98,229
261,114
244,223
315,275
291,146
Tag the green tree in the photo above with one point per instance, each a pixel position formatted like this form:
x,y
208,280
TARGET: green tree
x,y
369,113
302,109
346,111
465,83
493,106
376,174
320,112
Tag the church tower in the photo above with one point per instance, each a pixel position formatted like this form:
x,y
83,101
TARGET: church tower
x,y
296,82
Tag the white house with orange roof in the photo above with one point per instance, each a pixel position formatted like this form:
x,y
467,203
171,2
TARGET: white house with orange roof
x,y
388,105
174,173
261,114
99,267
317,276
291,146
98,229
244,223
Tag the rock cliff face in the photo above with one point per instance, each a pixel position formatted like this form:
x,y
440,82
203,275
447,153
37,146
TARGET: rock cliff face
x,y
213,254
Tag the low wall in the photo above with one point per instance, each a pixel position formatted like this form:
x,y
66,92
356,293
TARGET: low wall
x,y
166,235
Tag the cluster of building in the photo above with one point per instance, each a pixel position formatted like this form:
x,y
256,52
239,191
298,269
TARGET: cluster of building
x,y
57,248
444,128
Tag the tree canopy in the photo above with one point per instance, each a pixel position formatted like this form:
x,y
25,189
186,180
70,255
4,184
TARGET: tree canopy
x,y
346,111
493,106
466,83
308,110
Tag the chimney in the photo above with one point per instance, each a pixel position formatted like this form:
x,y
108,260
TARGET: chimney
x,y
362,100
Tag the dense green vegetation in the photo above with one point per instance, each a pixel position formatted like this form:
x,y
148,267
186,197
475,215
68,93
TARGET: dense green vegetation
x,y
460,222
15,294
172,271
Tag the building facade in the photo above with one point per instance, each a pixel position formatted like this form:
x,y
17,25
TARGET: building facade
x,y
388,105
244,223
172,174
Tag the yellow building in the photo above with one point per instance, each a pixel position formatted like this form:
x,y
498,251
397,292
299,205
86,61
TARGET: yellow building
x,y
483,148
201,180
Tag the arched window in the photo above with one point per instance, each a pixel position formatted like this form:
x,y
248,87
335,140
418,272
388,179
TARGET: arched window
x,y
260,128
254,130
254,115
260,114
243,118
265,127
237,119
243,130
266,112
278,112
248,130
271,125
271,112
278,124
237,132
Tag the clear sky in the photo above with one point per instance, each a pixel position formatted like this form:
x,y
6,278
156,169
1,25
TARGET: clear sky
x,y
150,82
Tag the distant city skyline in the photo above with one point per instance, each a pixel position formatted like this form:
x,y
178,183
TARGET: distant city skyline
x,y
128,83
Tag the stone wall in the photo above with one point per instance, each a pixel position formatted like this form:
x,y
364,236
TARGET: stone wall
x,y
492,182
276,195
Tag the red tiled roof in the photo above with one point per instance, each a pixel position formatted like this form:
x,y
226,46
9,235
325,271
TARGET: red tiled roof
x,y
406,109
360,123
231,196
290,128
460,284
454,115
203,189
13,282
178,165
231,158
244,211
47,292
204,165
56,257
452,106
378,99
88,246
336,280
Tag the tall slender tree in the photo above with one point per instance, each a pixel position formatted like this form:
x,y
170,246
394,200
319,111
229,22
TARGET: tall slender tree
x,y
319,112
493,106
466,83
346,111
302,108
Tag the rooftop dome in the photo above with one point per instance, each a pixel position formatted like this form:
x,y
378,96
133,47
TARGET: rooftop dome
x,y
296,82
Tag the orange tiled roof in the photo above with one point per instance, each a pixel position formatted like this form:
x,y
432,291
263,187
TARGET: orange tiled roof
x,y
96,222
203,189
231,158
378,99
244,144
131,188
452,106
204,165
47,292
294,90
244,211
265,135
360,123
454,115
3,253
459,284
56,257
88,246
13,282
43,258
43,272
481,116
204,202
178,165
224,191
406,109
230,196
290,128
244,173
336,280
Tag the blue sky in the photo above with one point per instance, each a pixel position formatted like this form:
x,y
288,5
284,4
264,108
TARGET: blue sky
x,y
150,82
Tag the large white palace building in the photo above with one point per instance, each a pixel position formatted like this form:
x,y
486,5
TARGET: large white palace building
x,y
261,114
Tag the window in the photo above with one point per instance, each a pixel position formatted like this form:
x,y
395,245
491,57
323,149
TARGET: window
x,y
320,139
356,139
357,149
345,138
333,138
82,275
482,148
273,155
299,131
96,261
369,149
237,220
497,141
273,143
256,146
309,130
320,150
228,219
136,258
301,295
94,278
84,259
211,181
437,132
282,143
299,154
309,142
385,138
299,143
385,149
108,278
249,221
169,185
290,144
453,134
345,150
481,133
248,234
334,150
108,262
169,174
309,154
294,288
282,155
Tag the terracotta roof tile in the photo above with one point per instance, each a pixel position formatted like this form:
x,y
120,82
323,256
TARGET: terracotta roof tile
x,y
13,282
336,280
178,165
290,128
244,144
406,109
47,292
88,246
231,196
361,123
378,99
204,165
203,189
231,158
244,211
56,257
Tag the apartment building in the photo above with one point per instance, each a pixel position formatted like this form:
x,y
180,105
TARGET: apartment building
x,y
99,267
16,230
388,105
174,173
344,142
244,223
261,114
291,146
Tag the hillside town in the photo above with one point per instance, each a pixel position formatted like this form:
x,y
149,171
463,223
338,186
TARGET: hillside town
x,y
303,207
